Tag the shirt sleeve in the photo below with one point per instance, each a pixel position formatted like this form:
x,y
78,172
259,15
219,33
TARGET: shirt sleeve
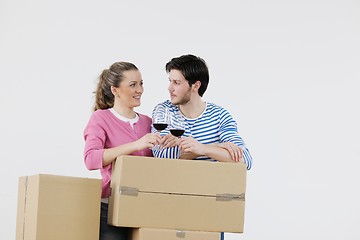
x,y
229,133
172,152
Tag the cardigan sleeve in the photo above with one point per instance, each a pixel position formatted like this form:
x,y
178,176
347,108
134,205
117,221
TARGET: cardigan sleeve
x,y
94,136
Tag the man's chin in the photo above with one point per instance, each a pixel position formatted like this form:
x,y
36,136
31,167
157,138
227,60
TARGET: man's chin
x,y
173,101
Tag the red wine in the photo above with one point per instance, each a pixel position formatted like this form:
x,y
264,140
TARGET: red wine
x,y
160,126
177,132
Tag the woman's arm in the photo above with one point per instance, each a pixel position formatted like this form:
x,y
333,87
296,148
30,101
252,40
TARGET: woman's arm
x,y
147,141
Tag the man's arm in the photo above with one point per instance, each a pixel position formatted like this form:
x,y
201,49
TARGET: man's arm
x,y
229,133
191,149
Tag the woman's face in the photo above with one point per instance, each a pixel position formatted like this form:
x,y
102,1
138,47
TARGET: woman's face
x,y
130,90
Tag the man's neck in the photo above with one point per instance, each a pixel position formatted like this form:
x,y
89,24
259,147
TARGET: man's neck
x,y
193,109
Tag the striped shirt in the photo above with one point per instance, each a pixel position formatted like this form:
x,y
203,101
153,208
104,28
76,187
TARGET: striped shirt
x,y
214,125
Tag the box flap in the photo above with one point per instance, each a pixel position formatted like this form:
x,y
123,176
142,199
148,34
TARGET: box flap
x,y
194,177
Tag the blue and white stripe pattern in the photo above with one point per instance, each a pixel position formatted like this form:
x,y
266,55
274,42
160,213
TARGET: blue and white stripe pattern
x,y
215,125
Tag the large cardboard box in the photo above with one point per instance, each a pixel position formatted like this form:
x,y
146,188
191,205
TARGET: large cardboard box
x,y
58,208
177,194
169,234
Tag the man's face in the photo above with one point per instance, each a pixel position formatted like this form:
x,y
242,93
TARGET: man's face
x,y
179,89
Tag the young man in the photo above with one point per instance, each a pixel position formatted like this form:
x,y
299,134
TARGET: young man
x,y
210,131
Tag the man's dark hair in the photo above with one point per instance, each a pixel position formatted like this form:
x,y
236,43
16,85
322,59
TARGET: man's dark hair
x,y
193,68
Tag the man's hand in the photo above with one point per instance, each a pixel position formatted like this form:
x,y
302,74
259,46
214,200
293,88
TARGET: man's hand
x,y
234,150
191,145
169,141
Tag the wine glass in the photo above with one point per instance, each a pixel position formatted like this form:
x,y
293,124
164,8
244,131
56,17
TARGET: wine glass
x,y
160,119
177,125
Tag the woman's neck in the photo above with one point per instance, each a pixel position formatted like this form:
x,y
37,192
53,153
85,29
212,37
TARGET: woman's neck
x,y
125,112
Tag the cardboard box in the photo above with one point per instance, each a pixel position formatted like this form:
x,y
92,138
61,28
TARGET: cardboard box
x,y
58,208
177,194
169,234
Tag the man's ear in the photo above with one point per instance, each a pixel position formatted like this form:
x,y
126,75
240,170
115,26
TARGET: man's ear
x,y
197,85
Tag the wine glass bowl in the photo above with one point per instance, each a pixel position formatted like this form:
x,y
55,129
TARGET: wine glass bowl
x,y
160,126
177,126
177,132
160,120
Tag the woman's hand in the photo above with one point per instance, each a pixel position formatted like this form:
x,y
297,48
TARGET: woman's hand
x,y
149,140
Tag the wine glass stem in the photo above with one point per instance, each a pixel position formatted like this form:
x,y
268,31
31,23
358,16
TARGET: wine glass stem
x,y
157,146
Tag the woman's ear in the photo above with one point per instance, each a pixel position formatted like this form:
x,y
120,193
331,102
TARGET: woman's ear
x,y
113,90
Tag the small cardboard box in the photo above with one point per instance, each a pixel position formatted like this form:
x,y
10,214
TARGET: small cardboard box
x,y
58,208
169,234
177,194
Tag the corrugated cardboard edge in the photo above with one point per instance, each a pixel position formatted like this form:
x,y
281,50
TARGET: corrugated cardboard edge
x,y
113,207
21,206
27,207
170,234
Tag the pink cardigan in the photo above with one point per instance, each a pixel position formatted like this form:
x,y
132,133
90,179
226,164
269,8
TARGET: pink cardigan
x,y
104,130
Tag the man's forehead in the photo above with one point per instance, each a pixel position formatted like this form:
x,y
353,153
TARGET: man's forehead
x,y
176,75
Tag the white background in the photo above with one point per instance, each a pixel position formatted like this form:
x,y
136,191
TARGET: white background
x,y
288,71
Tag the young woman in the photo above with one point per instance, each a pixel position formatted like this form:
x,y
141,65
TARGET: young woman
x,y
116,129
